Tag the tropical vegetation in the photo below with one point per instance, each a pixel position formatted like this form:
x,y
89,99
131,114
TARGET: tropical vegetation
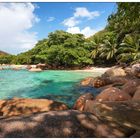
x,y
118,42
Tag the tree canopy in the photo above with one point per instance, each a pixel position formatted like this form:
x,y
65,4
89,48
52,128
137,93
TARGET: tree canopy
x,y
118,42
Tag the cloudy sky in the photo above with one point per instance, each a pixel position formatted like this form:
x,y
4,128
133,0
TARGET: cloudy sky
x,y
23,24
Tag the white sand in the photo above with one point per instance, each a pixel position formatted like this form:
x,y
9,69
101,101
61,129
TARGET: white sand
x,y
91,69
95,69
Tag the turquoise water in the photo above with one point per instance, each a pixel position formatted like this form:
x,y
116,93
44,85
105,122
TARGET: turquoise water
x,y
57,85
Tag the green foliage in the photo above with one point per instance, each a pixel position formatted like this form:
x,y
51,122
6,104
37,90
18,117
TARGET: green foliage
x,y
59,49
125,21
118,42
6,59
130,48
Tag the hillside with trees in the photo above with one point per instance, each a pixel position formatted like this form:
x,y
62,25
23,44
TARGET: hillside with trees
x,y
3,53
118,42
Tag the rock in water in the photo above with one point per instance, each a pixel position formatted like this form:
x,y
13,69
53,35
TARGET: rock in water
x,y
87,82
28,67
80,102
21,106
112,94
41,66
99,82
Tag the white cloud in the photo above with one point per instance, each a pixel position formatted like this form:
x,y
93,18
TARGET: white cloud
x,y
87,31
51,19
78,15
15,21
70,22
83,12
74,30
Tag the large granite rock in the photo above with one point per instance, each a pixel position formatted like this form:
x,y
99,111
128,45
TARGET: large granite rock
x,y
62,124
112,94
114,72
137,94
126,113
87,81
28,67
99,82
131,86
136,70
41,66
117,80
80,102
21,106
136,135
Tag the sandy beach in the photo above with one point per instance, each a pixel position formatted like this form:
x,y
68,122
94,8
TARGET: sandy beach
x,y
91,69
95,69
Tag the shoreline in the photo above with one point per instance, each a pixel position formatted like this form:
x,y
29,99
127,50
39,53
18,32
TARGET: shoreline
x,y
94,69
90,69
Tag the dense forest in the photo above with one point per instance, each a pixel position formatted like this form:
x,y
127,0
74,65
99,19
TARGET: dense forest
x,y
118,42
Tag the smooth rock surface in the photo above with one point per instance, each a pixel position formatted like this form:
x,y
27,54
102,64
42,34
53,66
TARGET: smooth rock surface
x,y
22,106
80,102
126,113
114,72
41,66
112,94
137,94
136,70
131,86
87,81
61,124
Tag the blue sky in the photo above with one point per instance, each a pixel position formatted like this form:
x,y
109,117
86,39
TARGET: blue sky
x,y
61,11
30,22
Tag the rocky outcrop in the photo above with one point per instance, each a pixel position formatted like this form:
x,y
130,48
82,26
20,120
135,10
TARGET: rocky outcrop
x,y
41,66
114,72
136,135
87,81
137,94
126,113
112,94
99,82
28,67
21,106
117,78
80,102
62,124
136,70
130,86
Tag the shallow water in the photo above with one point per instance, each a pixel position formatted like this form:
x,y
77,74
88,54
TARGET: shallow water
x,y
50,84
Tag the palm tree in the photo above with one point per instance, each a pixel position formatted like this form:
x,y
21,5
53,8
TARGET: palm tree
x,y
130,47
109,49
96,46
